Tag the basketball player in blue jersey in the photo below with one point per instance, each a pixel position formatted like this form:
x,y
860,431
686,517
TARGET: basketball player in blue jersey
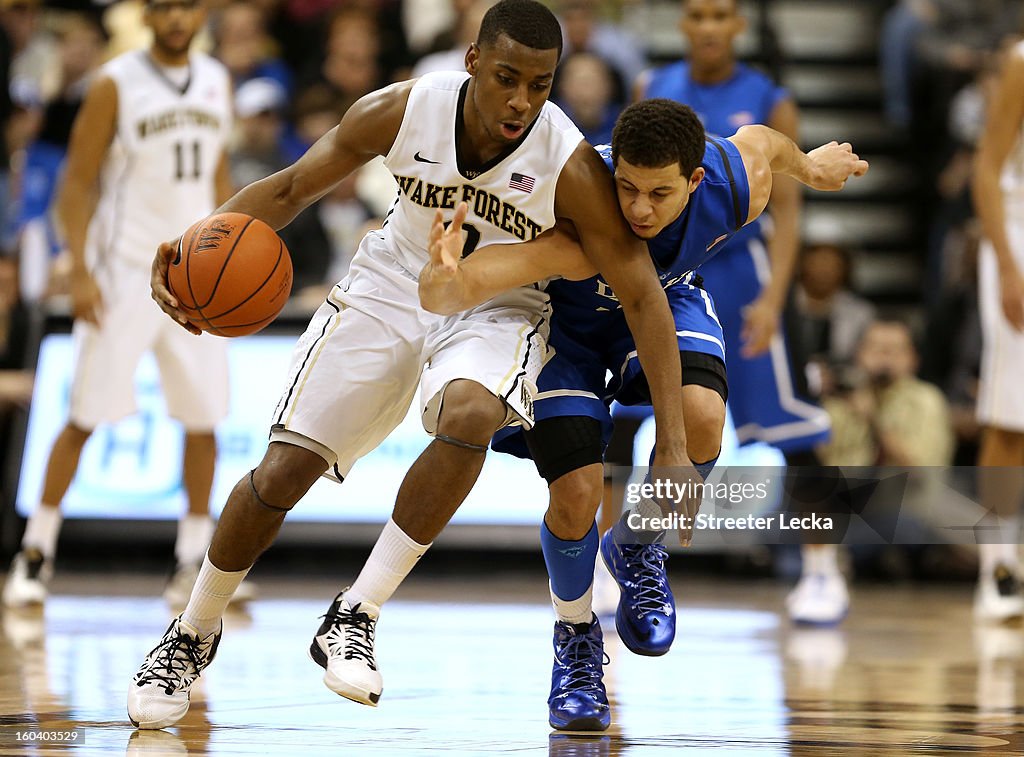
x,y
750,276
686,197
487,137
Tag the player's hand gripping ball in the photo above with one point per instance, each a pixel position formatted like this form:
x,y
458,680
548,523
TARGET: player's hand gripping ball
x,y
232,274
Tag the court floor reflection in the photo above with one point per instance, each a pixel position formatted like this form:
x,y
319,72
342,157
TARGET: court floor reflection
x,y
466,666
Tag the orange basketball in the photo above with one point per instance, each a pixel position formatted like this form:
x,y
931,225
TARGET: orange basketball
x,y
232,274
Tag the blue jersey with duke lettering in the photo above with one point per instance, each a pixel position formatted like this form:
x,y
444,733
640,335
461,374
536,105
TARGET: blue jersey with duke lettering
x,y
747,97
716,210
589,335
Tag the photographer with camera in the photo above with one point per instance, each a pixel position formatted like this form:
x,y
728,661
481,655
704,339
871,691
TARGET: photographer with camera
x,y
882,414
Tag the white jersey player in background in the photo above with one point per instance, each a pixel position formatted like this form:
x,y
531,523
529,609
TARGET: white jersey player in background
x,y
489,139
146,159
999,199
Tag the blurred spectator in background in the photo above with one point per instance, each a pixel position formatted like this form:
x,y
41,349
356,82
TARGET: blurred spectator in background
x,y
82,41
364,35
826,319
453,57
587,89
951,296
882,414
432,26
33,74
315,111
350,66
258,151
583,31
244,46
15,382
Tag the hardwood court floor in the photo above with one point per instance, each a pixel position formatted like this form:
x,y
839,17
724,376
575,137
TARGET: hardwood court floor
x,y
466,668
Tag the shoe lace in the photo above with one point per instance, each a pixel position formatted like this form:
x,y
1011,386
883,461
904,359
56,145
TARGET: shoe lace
x,y
578,657
178,660
359,645
648,564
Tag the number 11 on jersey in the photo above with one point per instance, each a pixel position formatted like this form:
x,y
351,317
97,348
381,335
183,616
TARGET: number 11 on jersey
x,y
183,155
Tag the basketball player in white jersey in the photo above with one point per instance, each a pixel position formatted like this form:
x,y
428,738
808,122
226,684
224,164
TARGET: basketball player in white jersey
x,y
999,199
147,157
489,139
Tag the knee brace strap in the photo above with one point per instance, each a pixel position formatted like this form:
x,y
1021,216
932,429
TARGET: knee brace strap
x,y
259,499
461,444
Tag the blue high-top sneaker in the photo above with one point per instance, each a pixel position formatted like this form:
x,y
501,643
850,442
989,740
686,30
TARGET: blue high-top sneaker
x,y
646,616
578,701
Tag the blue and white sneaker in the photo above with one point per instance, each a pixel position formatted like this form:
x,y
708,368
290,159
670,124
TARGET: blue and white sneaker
x,y
578,701
646,616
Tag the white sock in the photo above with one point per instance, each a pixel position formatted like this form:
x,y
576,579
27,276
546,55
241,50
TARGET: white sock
x,y
210,596
393,557
1005,549
194,535
820,559
574,610
988,558
1010,541
647,508
43,529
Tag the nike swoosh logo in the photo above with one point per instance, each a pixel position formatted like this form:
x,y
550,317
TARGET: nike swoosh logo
x,y
421,159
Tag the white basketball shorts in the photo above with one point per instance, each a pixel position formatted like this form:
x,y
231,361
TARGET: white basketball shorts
x,y
1000,399
193,369
355,370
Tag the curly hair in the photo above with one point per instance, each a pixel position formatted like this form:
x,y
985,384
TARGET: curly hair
x,y
658,132
525,21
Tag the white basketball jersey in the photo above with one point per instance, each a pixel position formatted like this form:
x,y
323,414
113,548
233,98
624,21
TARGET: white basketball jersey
x,y
158,177
512,199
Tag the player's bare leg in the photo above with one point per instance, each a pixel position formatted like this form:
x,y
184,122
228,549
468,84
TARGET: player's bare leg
x,y
63,463
257,505
32,567
200,458
159,693
433,489
999,596
443,475
195,527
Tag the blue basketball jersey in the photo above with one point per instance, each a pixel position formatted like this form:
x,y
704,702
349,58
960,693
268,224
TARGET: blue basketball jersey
x,y
716,210
589,335
747,97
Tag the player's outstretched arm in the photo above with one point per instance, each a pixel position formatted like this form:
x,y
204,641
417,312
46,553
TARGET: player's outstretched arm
x,y
449,284
586,196
368,129
1002,127
766,151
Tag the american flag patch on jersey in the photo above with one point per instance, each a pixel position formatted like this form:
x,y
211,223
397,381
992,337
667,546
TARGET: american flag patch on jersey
x,y
522,182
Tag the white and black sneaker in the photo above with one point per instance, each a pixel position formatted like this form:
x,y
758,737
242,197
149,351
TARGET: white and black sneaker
x,y
28,580
999,597
343,647
158,696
